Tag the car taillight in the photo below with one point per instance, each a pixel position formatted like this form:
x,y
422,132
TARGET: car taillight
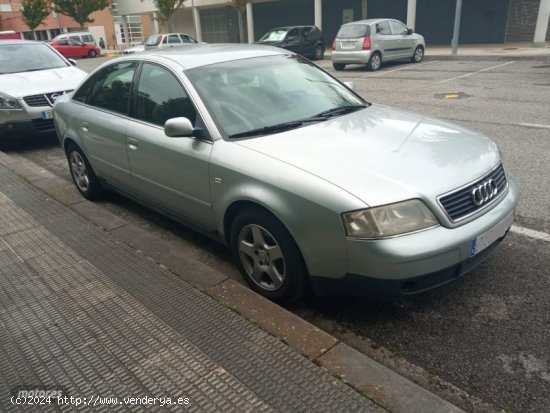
x,y
366,43
334,44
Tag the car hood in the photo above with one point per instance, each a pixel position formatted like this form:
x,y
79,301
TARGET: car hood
x,y
42,81
383,155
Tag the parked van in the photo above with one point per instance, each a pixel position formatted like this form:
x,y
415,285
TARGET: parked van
x,y
84,37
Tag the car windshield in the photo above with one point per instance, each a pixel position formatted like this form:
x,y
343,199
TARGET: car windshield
x,y
275,35
270,94
30,57
353,30
153,40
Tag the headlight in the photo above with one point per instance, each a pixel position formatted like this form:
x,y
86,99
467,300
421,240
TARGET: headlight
x,y
389,220
8,102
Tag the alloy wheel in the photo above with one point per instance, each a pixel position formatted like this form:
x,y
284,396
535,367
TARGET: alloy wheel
x,y
79,172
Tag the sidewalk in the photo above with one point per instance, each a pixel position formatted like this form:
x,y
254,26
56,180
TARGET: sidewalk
x,y
82,311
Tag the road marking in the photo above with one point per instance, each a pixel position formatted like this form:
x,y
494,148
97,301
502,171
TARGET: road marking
x,y
402,68
543,236
479,71
534,125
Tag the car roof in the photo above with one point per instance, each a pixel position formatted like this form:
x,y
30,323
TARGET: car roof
x,y
367,21
198,55
292,27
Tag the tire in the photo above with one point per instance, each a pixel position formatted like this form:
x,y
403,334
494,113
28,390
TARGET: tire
x,y
268,256
83,175
375,62
92,53
338,66
318,52
418,55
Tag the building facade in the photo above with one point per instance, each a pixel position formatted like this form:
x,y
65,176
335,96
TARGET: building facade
x,y
482,21
107,24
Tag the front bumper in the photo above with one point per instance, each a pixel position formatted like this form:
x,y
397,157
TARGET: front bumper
x,y
27,122
351,57
411,264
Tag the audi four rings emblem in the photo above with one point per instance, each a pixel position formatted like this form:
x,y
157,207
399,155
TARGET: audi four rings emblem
x,y
484,192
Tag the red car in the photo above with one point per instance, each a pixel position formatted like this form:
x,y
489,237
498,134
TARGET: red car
x,y
74,48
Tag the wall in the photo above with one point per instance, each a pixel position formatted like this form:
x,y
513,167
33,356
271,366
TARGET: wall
x,y
282,13
522,21
333,16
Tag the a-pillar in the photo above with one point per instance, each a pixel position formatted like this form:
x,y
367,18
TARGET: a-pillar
x,y
319,14
250,22
539,39
411,14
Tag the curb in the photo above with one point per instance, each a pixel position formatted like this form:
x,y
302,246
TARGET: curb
x,y
379,383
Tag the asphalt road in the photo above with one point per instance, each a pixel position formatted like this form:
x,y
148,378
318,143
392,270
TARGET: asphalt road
x,y
483,341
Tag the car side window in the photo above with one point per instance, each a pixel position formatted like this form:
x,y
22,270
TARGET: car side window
x,y
292,35
165,40
174,38
113,86
73,43
160,97
398,28
62,42
186,39
81,95
383,28
306,31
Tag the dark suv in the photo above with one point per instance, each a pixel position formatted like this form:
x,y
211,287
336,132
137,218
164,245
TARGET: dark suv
x,y
305,40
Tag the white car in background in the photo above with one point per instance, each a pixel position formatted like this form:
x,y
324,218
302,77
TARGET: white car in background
x,y
32,76
161,41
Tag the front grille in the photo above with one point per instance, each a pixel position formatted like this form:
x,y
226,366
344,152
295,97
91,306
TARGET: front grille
x,y
47,99
459,204
43,125
36,100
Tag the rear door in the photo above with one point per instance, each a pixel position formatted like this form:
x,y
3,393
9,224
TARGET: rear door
x,y
350,37
174,40
63,47
76,49
171,173
405,41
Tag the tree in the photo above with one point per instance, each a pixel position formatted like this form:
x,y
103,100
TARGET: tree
x,y
240,6
80,10
167,8
34,12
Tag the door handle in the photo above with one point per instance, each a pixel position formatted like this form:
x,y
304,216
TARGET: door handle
x,y
132,143
84,126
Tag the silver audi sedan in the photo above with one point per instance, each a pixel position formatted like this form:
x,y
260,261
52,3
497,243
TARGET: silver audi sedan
x,y
307,183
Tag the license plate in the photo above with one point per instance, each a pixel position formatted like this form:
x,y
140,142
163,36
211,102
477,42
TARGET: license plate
x,y
347,45
487,238
47,114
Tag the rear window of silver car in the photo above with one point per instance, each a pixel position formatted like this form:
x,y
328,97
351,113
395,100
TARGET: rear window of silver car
x,y
353,30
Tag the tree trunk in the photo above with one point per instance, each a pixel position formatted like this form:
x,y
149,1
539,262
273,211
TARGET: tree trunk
x,y
169,24
241,27
34,35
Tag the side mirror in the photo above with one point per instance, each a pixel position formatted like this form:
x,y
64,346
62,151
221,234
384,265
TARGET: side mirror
x,y
410,31
72,61
178,128
349,85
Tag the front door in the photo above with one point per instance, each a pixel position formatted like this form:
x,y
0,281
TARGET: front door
x,y
388,43
405,41
171,173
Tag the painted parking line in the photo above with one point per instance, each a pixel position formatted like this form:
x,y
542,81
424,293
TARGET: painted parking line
x,y
478,71
530,233
534,125
402,68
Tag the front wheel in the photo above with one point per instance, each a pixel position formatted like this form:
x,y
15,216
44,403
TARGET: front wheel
x,y
374,62
338,66
83,175
418,55
268,256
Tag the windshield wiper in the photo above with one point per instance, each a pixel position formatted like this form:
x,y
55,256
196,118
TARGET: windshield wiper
x,y
340,110
280,127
